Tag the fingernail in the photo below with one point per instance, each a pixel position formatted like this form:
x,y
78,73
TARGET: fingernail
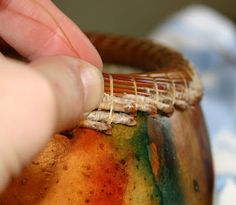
x,y
93,84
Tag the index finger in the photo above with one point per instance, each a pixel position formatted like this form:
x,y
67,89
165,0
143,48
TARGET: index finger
x,y
39,28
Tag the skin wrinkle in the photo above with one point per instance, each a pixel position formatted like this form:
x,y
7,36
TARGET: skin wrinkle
x,y
54,35
73,71
60,28
53,32
27,12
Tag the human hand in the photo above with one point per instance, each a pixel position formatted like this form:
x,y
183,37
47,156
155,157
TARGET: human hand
x,y
49,94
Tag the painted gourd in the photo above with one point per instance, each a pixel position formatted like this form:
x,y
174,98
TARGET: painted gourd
x,y
164,159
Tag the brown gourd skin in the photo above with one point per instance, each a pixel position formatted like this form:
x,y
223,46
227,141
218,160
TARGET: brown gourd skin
x,y
163,160
89,168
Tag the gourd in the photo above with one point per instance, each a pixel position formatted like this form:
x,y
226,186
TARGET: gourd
x,y
146,144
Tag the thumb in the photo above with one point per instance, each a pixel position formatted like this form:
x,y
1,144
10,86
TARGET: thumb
x,y
38,100
77,85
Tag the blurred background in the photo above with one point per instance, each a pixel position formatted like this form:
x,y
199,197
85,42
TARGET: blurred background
x,y
205,32
132,17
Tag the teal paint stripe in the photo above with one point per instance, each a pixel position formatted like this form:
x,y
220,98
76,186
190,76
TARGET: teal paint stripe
x,y
140,143
168,179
